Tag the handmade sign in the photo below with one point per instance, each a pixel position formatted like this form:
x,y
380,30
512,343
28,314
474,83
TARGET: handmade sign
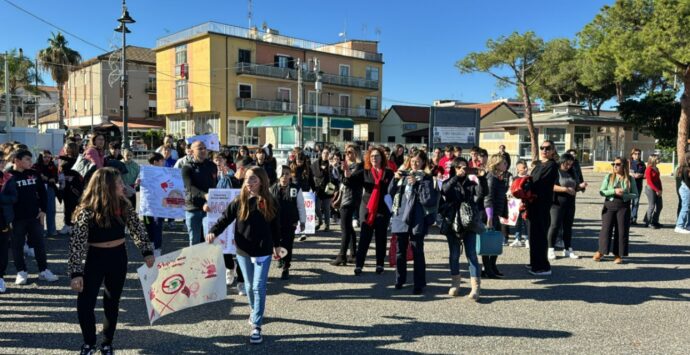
x,y
210,141
184,278
218,200
310,209
162,192
513,212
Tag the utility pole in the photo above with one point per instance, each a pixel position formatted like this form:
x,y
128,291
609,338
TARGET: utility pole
x,y
37,98
317,87
300,122
124,20
8,108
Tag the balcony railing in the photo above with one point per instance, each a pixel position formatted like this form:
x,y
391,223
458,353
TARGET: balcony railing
x,y
255,34
287,73
181,103
291,107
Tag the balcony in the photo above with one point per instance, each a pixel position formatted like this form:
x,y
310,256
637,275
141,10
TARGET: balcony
x,y
150,89
291,74
291,107
181,103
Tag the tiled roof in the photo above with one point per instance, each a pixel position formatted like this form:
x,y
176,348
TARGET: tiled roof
x,y
485,109
134,55
412,113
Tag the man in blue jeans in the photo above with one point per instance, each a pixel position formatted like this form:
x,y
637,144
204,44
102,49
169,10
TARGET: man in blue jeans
x,y
199,175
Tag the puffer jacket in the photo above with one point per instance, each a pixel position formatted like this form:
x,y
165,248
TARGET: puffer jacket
x,y
352,194
455,191
496,196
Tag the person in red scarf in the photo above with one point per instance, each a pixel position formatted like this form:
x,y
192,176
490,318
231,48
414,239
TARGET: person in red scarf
x,y
374,212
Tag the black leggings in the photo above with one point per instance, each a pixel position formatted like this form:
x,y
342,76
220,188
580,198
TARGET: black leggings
x,y
287,240
103,265
562,216
230,264
379,231
5,236
348,236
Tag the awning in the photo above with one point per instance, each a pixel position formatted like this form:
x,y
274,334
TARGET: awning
x,y
140,124
424,132
291,121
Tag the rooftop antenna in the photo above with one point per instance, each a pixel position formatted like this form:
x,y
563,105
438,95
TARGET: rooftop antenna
x,y
365,29
249,13
343,34
378,34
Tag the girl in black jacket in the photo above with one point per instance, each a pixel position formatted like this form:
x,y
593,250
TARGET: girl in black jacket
x,y
321,170
350,198
496,206
292,212
257,235
373,211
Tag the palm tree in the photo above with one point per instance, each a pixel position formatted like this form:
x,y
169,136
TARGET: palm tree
x,y
57,59
22,75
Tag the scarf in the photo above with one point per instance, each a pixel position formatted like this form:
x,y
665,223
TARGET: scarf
x,y
373,203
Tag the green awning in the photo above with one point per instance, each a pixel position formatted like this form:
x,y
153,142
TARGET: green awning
x,y
291,120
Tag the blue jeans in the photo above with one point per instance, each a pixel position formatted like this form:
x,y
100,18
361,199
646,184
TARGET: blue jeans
x,y
419,275
50,212
195,226
521,229
469,240
683,217
255,277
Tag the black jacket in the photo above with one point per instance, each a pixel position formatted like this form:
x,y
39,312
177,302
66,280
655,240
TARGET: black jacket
x,y
321,170
455,191
254,236
304,181
270,171
366,180
352,194
544,176
198,177
496,196
31,194
8,197
288,198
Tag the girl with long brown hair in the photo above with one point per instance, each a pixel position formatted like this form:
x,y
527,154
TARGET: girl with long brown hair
x,y
99,238
373,211
96,150
257,236
618,189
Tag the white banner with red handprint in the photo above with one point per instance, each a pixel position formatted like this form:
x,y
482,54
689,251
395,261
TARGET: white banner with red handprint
x,y
162,192
184,278
513,212
211,141
218,200
310,209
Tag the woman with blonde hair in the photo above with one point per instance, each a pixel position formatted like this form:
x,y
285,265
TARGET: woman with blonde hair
x,y
653,191
350,198
257,236
618,189
495,207
98,237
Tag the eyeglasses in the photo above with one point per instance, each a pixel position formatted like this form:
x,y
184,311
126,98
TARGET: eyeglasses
x,y
350,152
548,147
616,164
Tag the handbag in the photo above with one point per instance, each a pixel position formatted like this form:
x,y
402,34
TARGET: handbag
x,y
467,218
330,189
393,251
82,165
490,242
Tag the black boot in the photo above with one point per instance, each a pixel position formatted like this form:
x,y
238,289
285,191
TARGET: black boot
x,y
494,268
285,275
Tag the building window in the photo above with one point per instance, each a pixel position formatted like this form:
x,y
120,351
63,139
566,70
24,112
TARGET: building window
x,y
494,136
636,134
151,112
344,70
283,61
391,139
344,100
525,143
372,73
245,91
151,85
181,54
181,89
283,95
371,103
244,56
409,126
556,135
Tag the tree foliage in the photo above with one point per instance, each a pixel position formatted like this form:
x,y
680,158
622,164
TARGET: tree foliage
x,y
57,59
512,60
657,114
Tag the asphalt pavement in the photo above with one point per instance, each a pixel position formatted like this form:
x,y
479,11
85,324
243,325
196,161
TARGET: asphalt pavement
x,y
640,306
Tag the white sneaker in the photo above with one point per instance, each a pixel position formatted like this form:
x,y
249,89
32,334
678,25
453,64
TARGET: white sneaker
x,y
355,223
22,278
240,289
47,275
516,244
559,244
3,288
527,243
681,230
229,277
65,230
569,253
552,254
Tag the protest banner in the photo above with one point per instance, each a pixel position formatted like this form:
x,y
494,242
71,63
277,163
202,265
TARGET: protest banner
x,y
310,209
182,279
218,200
210,141
162,192
513,212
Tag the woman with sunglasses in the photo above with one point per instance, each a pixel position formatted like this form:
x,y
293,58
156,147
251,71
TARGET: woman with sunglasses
x,y
563,208
351,196
373,211
618,189
544,176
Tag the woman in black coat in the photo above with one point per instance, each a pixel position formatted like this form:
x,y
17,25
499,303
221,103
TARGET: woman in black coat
x,y
350,198
321,170
373,210
496,206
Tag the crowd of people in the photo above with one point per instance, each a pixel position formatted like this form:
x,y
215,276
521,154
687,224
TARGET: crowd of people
x,y
380,191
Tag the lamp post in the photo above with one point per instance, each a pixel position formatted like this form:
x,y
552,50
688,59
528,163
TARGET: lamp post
x,y
124,20
317,87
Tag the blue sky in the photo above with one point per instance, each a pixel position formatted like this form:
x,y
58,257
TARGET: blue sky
x,y
420,40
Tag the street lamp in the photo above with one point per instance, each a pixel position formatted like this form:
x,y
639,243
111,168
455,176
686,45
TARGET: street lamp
x,y
124,20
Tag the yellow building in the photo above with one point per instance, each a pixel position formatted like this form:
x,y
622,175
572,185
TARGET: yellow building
x,y
596,138
234,81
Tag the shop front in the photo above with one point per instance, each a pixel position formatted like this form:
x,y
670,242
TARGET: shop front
x,y
281,130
